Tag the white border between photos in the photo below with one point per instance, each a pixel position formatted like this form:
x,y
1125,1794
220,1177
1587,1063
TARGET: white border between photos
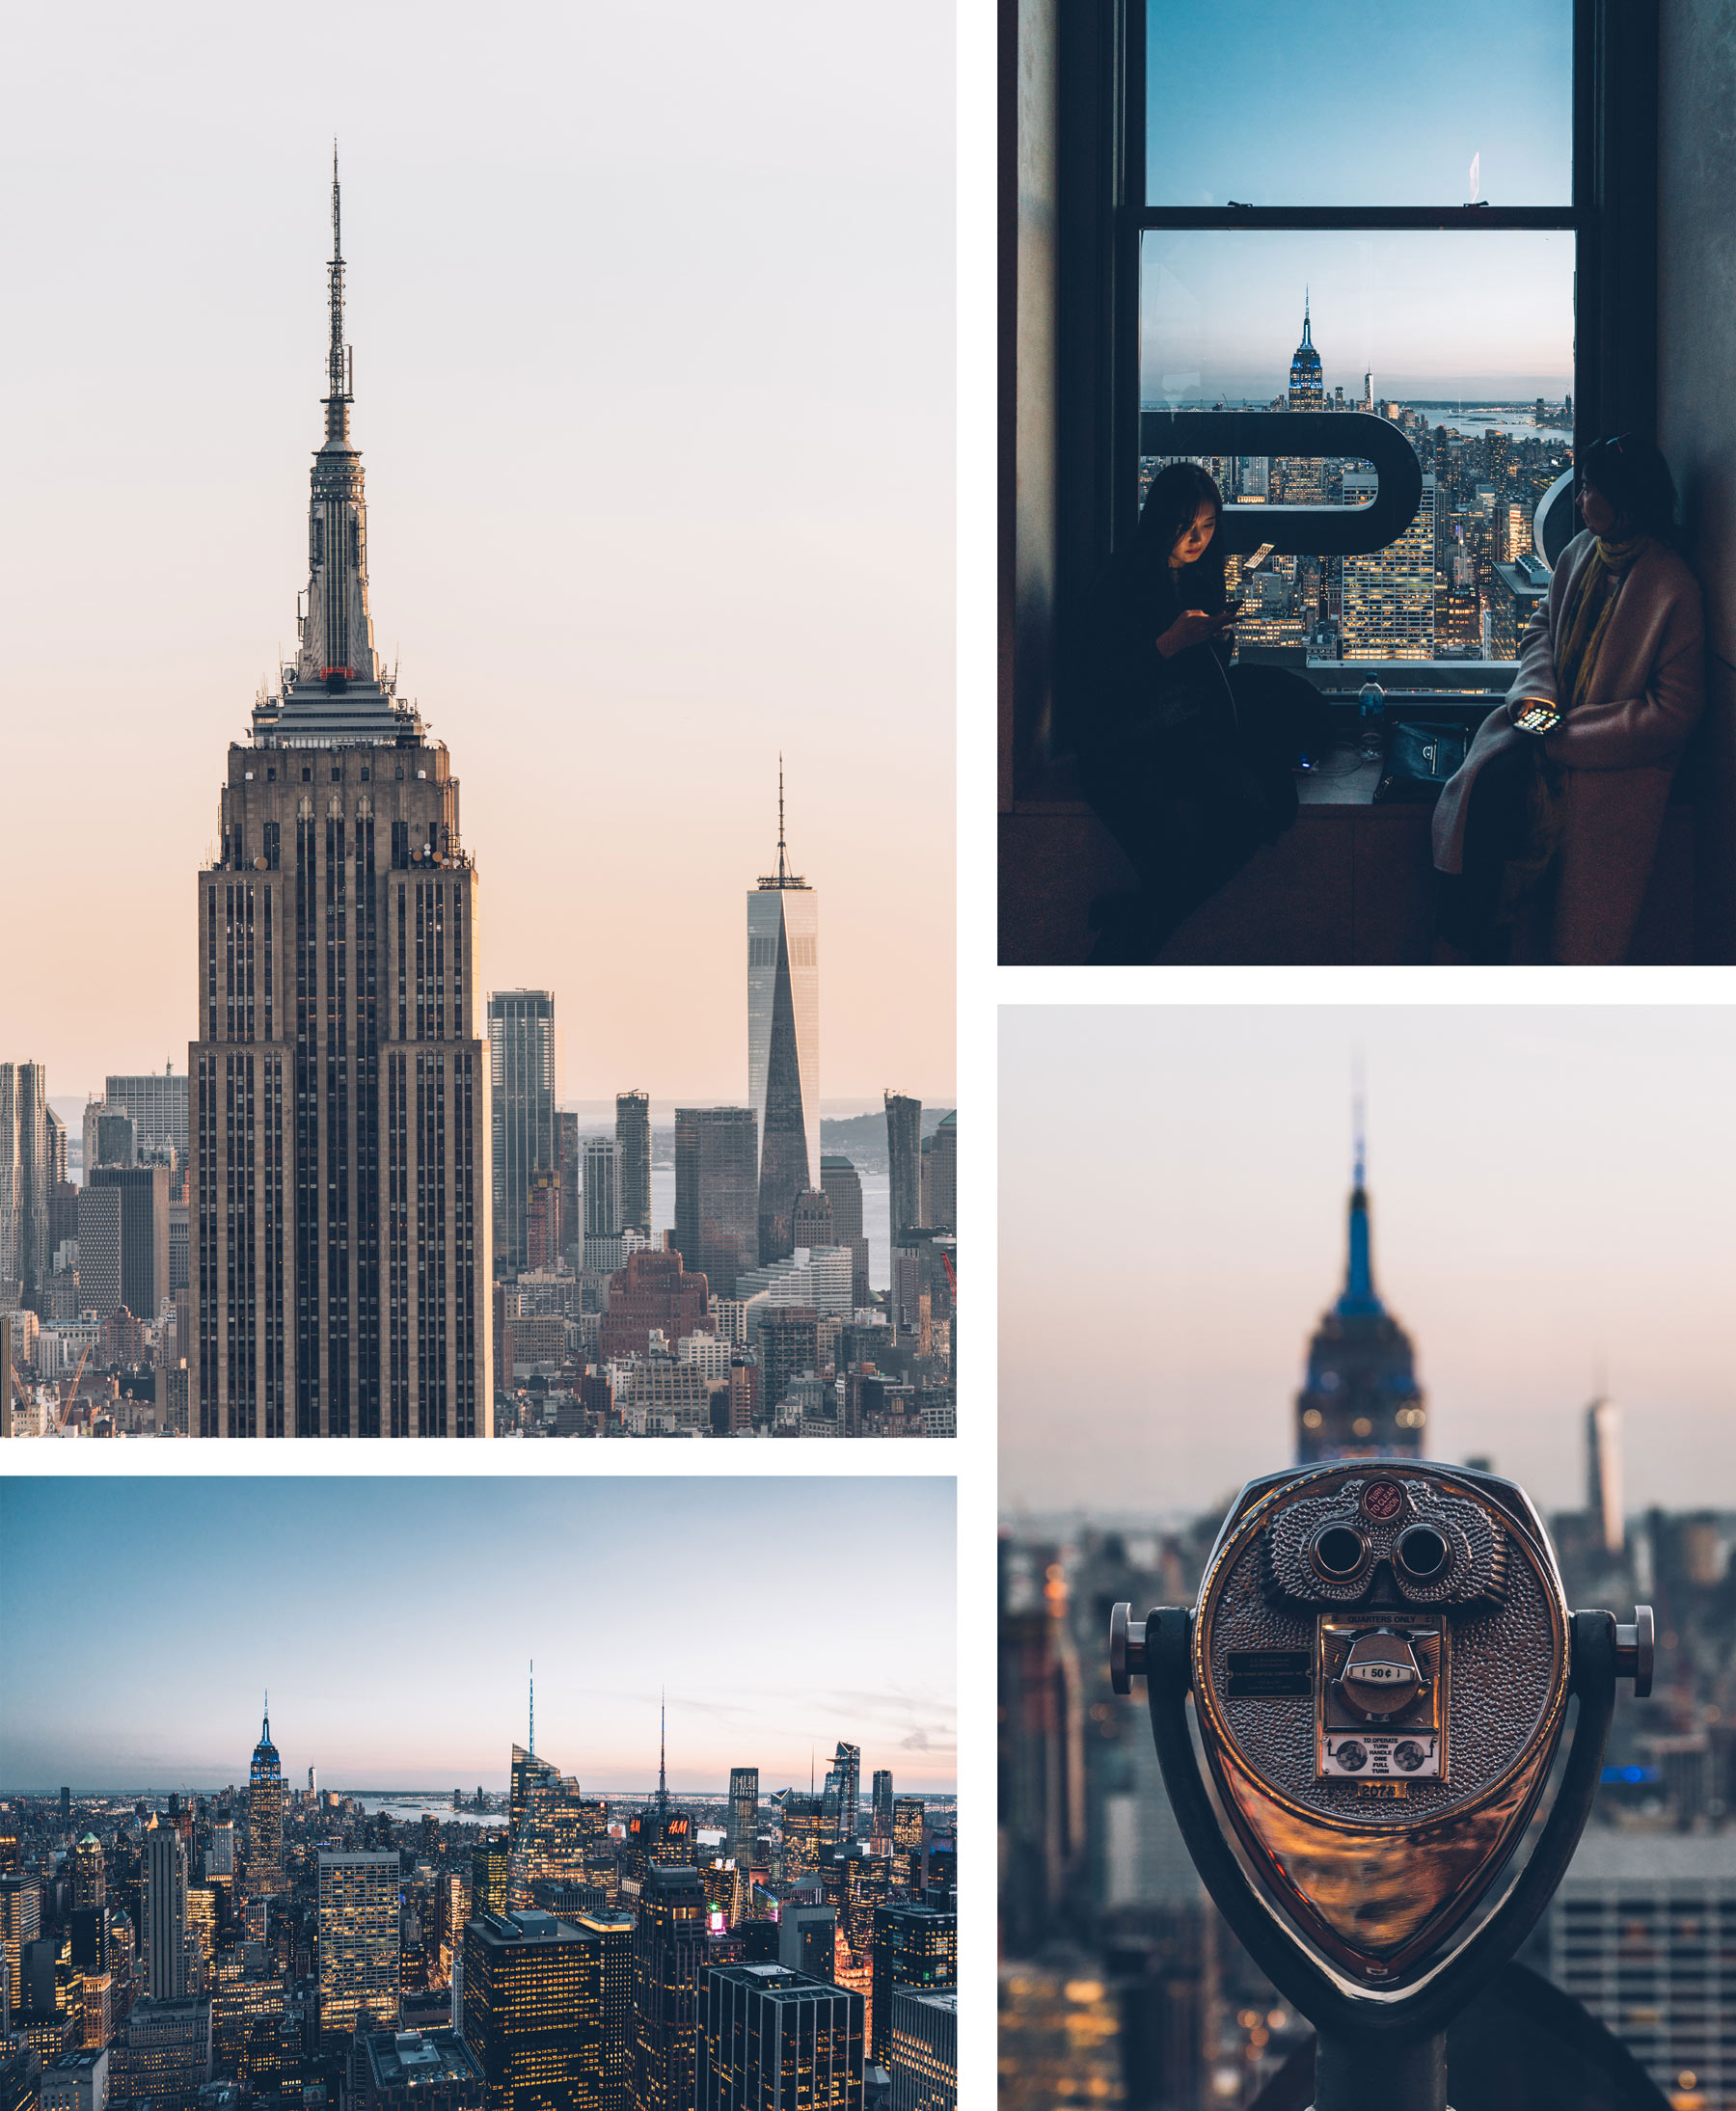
x,y
505,1459
976,1450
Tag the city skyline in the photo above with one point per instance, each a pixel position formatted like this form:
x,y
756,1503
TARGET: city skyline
x,y
623,1548
1532,1262
631,582
1218,309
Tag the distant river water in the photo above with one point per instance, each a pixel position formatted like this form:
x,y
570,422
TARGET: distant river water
x,y
877,1217
407,1810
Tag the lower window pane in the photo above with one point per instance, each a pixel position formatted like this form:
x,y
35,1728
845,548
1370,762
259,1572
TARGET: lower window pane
x,y
1464,339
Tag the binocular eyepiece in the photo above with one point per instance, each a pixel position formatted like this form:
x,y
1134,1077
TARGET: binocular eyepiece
x,y
1380,1659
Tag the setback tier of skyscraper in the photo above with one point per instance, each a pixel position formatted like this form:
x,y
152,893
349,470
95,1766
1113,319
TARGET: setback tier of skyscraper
x,y
338,1128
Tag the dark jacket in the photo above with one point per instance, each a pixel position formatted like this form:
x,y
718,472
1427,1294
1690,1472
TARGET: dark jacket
x,y
1161,755
1131,693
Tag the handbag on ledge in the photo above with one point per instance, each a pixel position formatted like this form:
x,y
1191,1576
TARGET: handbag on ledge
x,y
1419,761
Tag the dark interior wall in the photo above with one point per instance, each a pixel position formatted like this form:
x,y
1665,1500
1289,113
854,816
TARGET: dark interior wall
x,y
1030,314
1697,391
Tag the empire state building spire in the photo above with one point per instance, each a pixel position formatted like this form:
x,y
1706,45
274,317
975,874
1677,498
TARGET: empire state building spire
x,y
335,688
339,358
1361,1399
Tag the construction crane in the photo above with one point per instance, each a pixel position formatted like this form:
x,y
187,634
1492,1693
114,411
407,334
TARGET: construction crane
x,y
72,1391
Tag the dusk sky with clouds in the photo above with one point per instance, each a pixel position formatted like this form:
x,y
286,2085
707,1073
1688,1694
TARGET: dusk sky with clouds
x,y
393,1621
652,311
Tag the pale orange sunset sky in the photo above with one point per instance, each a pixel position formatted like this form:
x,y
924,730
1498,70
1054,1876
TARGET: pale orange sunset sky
x,y
1554,1194
652,317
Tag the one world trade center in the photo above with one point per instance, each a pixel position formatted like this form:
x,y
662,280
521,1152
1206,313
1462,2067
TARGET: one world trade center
x,y
783,1042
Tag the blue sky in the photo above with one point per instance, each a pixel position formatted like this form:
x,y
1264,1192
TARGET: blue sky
x,y
1257,101
1382,103
393,1620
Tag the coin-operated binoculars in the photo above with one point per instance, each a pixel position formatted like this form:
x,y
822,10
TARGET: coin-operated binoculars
x,y
1380,1659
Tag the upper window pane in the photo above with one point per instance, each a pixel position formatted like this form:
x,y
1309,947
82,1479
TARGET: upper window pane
x,y
1377,103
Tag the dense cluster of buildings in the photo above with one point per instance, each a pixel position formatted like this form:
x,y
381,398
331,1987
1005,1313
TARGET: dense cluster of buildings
x,y
1459,584
1121,1984
271,1948
361,1212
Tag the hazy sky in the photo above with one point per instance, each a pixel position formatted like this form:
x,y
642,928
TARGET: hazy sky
x,y
392,1621
1254,102
1552,1189
1428,313
652,317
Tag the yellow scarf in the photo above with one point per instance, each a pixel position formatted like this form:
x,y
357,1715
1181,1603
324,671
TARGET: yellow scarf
x,y
1587,617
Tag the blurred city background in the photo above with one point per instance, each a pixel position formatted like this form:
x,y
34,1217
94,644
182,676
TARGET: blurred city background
x,y
1120,1984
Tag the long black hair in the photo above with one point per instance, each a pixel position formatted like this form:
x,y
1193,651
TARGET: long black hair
x,y
1635,477
1178,491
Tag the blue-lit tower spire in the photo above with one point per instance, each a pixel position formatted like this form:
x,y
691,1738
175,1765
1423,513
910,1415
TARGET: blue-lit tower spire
x,y
1307,388
1360,1398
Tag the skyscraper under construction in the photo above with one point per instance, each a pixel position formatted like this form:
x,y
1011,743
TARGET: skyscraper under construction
x,y
339,1131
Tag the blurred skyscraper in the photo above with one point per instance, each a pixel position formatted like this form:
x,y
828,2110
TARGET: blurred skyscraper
x,y
523,1083
1603,1473
1361,1399
842,1184
783,1040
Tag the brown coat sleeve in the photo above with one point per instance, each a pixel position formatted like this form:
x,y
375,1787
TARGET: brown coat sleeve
x,y
1628,733
1536,674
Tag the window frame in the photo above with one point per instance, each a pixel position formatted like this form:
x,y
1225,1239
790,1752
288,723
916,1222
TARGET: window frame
x,y
1133,218
1609,214
1091,170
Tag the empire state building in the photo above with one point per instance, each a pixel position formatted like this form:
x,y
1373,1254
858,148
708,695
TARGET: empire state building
x,y
1361,1399
339,1131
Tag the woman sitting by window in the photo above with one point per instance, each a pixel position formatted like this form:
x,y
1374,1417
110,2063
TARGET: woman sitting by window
x,y
1547,833
1187,760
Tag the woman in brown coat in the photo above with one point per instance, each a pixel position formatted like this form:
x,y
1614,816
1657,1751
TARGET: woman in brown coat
x,y
1547,833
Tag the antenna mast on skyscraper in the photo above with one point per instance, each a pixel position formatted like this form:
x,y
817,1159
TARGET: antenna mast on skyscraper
x,y
783,876
663,1779
533,1707
335,360
1358,1121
